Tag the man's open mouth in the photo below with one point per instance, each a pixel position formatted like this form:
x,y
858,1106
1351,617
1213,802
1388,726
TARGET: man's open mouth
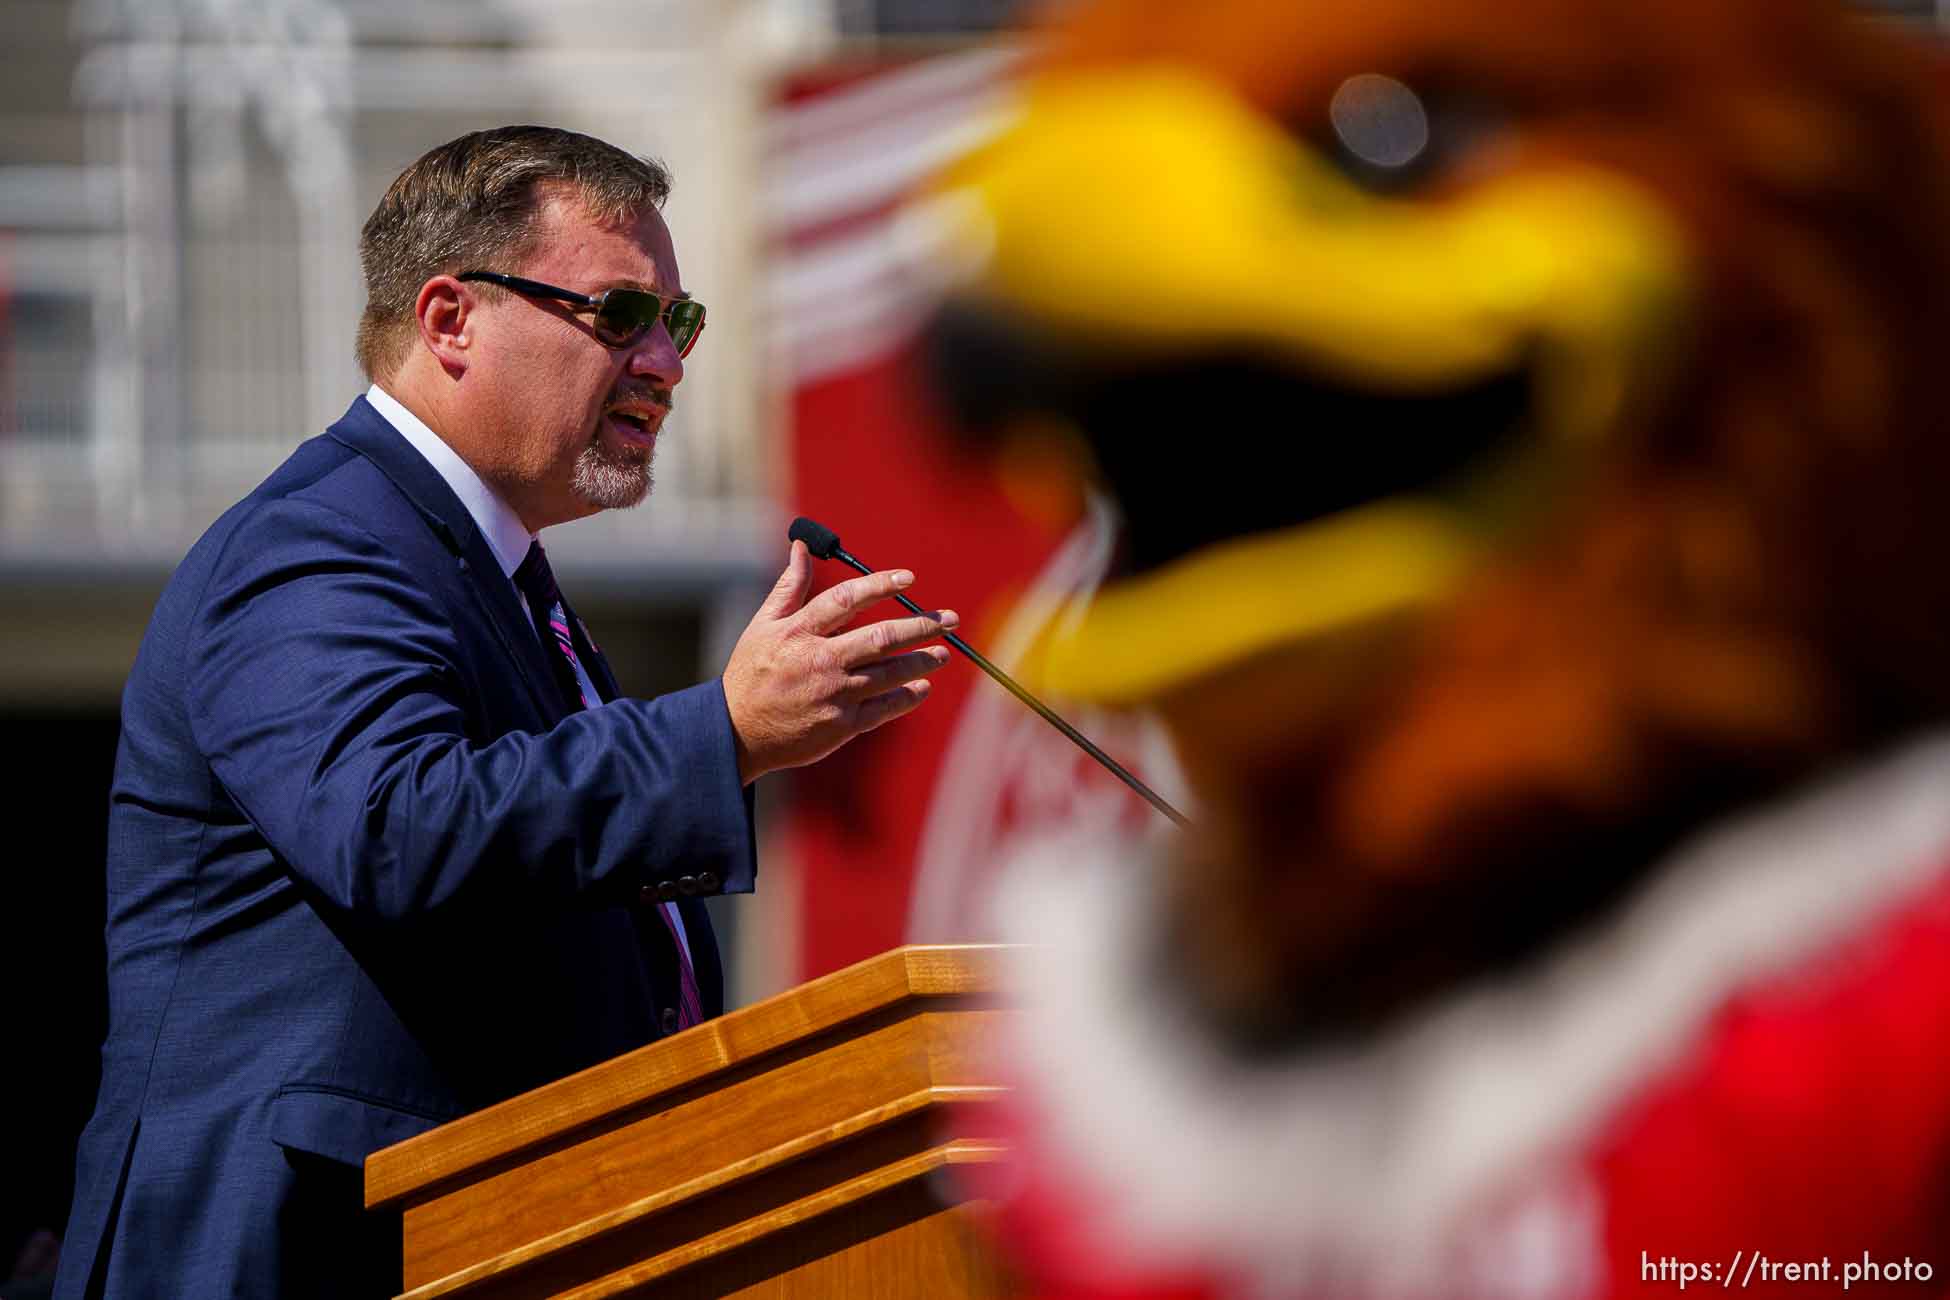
x,y
635,423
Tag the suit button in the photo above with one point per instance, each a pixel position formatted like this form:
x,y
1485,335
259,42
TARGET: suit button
x,y
687,885
670,1020
707,880
647,896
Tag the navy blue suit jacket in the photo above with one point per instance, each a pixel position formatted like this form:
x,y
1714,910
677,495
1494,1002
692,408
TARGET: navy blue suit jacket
x,y
366,873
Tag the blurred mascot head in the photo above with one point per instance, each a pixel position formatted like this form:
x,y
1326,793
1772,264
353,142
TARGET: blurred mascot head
x,y
1528,423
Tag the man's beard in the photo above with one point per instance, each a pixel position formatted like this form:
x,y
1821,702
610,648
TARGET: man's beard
x,y
612,479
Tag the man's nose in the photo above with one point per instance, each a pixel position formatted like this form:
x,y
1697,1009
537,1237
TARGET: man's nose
x,y
655,357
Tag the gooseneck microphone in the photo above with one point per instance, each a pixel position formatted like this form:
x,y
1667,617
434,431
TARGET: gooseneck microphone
x,y
824,543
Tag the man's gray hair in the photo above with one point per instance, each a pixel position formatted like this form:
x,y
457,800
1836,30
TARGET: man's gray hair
x,y
472,204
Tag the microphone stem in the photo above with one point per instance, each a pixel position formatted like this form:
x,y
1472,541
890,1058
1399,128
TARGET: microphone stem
x,y
1042,710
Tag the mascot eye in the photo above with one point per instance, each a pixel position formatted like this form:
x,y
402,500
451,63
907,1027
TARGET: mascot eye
x,y
1388,138
1378,122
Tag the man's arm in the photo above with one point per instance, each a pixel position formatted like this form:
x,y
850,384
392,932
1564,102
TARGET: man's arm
x,y
325,687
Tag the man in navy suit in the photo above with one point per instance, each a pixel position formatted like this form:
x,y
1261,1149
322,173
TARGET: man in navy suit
x,y
385,843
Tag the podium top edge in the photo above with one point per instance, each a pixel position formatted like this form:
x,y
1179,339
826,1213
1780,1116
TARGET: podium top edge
x,y
738,1038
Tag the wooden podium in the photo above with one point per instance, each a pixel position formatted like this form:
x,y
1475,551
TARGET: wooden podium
x,y
795,1148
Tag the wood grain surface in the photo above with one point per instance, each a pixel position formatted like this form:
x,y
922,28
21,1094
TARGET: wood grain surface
x,y
752,1155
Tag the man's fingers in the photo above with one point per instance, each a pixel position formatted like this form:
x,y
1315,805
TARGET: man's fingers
x,y
789,592
797,687
874,678
863,645
836,605
887,707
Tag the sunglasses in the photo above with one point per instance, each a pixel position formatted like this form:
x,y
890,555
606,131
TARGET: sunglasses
x,y
623,316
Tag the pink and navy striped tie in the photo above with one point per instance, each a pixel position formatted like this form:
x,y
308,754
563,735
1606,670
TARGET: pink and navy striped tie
x,y
537,582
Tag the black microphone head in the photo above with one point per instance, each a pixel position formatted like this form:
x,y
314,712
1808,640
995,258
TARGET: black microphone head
x,y
819,539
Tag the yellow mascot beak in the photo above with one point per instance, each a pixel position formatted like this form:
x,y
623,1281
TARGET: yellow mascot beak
x,y
1150,214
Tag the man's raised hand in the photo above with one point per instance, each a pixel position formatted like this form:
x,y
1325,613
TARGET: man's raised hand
x,y
798,687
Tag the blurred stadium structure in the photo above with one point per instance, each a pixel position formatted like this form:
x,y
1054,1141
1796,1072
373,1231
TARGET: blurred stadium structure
x,y
181,188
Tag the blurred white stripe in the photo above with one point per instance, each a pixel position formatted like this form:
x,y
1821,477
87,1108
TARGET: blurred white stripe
x,y
843,299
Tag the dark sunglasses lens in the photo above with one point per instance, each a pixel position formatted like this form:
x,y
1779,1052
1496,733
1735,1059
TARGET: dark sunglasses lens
x,y
684,318
625,315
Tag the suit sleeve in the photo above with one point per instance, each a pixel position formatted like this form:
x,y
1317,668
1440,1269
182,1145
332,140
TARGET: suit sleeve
x,y
326,692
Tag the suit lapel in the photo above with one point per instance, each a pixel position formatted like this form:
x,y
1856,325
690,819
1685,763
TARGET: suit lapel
x,y
366,431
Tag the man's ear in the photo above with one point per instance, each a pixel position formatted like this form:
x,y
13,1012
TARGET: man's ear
x,y
444,312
